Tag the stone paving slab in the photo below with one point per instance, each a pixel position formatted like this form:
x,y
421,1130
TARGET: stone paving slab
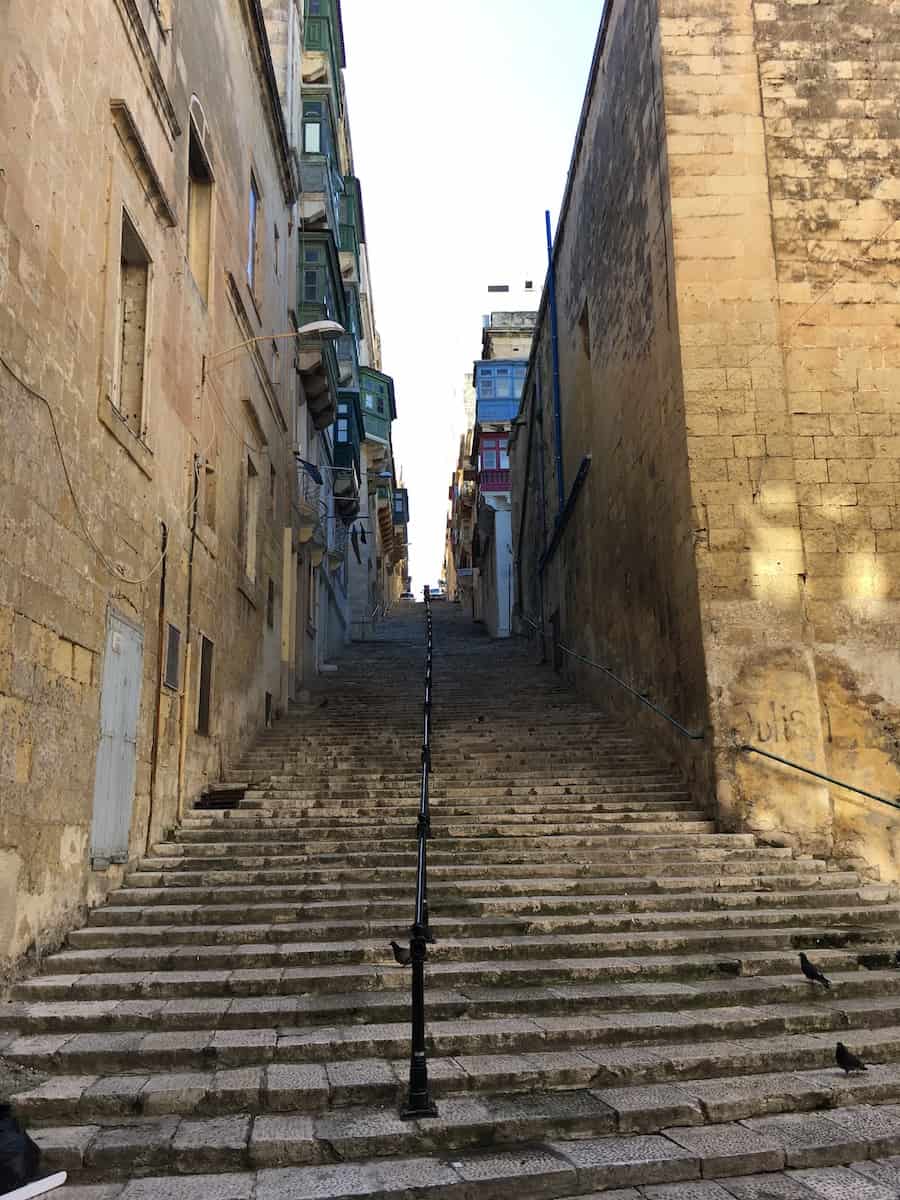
x,y
729,1149
810,1139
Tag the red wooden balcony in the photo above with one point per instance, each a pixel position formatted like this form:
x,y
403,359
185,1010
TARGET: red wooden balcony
x,y
496,480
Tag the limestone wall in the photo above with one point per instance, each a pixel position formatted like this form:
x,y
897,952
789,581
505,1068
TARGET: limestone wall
x,y
621,587
95,112
784,144
728,276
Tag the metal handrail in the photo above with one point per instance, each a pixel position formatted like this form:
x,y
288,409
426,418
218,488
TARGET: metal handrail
x,y
697,736
419,1102
748,749
745,748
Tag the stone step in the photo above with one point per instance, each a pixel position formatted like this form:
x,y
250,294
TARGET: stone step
x,y
396,906
541,1147
699,868
332,977
398,833
392,1004
527,782
279,815
631,892
136,1051
501,925
175,956
315,830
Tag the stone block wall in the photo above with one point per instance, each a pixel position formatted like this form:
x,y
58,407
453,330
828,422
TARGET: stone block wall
x,y
783,141
620,588
728,285
97,101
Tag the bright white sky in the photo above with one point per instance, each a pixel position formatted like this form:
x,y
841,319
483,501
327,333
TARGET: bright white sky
x,y
463,114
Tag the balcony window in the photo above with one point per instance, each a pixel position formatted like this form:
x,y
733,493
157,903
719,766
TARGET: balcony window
x,y
315,278
313,116
494,453
374,403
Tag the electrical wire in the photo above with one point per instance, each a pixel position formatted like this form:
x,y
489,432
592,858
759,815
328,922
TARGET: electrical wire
x,y
112,569
834,283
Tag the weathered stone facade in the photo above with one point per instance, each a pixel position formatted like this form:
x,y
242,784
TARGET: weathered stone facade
x,y
135,249
726,269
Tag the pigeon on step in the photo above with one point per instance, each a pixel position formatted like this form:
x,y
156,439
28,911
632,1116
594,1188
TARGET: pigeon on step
x,y
402,955
847,1061
812,972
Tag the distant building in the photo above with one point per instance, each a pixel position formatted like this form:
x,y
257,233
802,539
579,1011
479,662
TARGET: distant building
x,y
498,378
478,545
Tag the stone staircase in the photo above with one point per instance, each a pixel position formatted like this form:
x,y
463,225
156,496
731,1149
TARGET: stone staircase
x,y
614,1000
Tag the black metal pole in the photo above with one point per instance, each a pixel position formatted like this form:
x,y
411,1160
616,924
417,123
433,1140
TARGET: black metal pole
x,y
419,1102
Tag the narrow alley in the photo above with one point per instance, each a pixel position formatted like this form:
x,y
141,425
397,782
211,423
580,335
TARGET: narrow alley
x,y
450,600
613,996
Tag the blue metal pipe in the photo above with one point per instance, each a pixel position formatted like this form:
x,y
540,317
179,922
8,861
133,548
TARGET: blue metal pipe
x,y
554,346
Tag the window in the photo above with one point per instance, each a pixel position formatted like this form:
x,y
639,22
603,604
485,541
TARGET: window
x,y
500,381
273,488
131,328
277,251
312,127
270,604
312,274
494,453
204,692
370,401
251,517
268,710
254,207
315,8
173,657
342,427
199,212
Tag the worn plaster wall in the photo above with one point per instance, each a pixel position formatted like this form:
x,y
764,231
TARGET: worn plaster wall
x,y
783,131
621,586
94,118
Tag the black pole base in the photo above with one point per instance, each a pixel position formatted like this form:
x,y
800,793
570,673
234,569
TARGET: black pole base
x,y
418,1106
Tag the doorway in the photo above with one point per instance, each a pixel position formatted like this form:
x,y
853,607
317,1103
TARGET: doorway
x,y
120,696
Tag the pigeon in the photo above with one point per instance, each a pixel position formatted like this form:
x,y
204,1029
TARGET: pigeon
x,y
401,954
848,1062
812,972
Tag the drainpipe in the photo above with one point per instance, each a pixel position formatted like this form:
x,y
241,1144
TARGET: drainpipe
x,y
186,686
541,466
554,343
161,632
